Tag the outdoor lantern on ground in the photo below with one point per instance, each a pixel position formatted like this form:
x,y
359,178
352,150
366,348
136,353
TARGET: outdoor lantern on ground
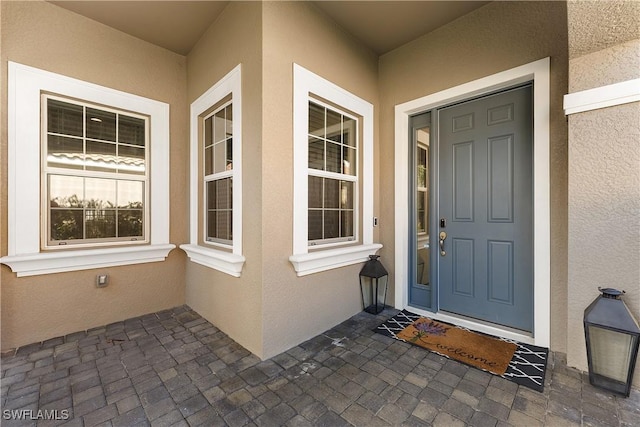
x,y
612,336
373,285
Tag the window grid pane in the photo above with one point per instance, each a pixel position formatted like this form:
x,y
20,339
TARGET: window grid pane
x,y
86,208
219,202
98,146
330,213
332,141
83,140
218,141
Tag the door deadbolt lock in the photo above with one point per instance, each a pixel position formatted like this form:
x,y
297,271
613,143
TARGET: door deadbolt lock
x,y
443,237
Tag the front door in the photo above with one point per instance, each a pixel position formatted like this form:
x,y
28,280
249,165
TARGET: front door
x,y
485,209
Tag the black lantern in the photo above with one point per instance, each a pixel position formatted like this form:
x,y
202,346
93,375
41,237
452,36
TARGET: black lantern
x,y
612,336
373,285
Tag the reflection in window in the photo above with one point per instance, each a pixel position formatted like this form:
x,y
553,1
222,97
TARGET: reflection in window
x,y
422,189
95,173
332,175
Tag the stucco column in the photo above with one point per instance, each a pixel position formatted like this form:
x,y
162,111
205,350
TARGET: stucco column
x,y
604,160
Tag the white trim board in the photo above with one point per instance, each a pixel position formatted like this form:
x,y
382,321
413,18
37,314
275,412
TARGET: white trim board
x,y
602,97
539,73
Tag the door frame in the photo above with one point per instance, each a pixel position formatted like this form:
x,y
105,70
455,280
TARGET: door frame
x,y
539,73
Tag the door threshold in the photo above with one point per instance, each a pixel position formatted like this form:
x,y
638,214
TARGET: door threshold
x,y
477,325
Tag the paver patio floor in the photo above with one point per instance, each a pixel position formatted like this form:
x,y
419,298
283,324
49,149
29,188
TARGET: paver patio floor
x,y
175,368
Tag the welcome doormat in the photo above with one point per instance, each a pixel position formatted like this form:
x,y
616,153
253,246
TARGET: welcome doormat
x,y
524,364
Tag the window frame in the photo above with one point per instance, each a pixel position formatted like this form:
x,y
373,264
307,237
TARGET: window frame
x,y
338,176
47,171
213,177
306,259
25,255
226,258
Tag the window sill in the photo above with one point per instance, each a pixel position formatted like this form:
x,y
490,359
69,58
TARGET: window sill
x,y
84,259
315,262
218,260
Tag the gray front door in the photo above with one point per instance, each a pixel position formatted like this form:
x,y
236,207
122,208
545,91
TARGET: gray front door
x,y
485,207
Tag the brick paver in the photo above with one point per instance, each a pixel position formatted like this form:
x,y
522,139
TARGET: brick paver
x,y
173,368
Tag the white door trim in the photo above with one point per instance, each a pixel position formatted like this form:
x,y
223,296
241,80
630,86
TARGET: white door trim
x,y
539,73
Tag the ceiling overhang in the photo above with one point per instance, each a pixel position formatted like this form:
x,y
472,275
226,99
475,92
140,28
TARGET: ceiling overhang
x,y
178,25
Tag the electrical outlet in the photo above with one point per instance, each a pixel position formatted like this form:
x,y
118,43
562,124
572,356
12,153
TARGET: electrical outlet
x,y
102,280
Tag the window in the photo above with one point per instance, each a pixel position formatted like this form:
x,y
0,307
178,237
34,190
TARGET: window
x,y
333,176
86,174
95,174
333,179
216,177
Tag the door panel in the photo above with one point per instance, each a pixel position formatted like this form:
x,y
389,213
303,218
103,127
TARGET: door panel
x,y
485,195
463,181
500,272
463,267
500,179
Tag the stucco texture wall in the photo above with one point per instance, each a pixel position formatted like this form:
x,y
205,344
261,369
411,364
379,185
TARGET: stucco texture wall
x,y
297,308
233,304
494,38
42,35
604,165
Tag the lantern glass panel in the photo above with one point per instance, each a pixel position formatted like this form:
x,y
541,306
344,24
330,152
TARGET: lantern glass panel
x,y
611,353
368,290
374,293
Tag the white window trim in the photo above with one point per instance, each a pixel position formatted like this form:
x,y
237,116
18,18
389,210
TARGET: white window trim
x,y
539,72
305,85
227,262
24,235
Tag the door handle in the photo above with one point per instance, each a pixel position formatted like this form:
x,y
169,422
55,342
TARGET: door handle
x,y
443,237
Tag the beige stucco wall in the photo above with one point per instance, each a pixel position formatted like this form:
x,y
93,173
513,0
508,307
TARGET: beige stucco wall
x,y
604,165
297,308
234,304
269,309
494,38
45,36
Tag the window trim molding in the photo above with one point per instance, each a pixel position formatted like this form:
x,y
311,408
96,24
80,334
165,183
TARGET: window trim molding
x,y
227,262
25,257
305,85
